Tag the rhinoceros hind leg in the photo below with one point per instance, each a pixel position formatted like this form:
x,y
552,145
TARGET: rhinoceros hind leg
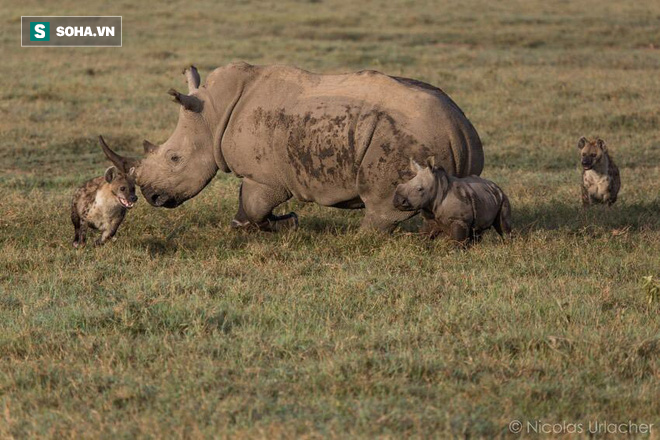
x,y
256,204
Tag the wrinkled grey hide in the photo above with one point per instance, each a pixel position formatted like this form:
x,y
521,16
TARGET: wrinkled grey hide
x,y
337,140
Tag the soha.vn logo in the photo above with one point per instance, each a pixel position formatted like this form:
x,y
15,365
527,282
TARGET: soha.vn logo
x,y
39,31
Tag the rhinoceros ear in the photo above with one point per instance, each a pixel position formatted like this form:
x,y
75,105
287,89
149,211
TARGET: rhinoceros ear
x,y
192,78
430,162
414,166
149,147
192,103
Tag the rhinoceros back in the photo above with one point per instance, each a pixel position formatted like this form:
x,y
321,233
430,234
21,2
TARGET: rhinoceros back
x,y
333,139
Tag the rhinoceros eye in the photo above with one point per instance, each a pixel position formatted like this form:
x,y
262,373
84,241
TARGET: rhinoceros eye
x,y
175,158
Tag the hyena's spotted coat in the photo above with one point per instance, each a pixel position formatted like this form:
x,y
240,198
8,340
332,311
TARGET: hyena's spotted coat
x,y
601,180
101,204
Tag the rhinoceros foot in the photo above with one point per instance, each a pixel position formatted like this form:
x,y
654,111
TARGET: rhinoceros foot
x,y
280,223
273,223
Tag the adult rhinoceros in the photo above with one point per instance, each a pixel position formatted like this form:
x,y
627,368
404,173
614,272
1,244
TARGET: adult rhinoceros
x,y
338,140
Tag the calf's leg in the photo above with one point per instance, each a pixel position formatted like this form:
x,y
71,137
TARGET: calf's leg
x,y
461,233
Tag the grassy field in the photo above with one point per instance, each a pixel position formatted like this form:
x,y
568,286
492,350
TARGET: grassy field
x,y
185,328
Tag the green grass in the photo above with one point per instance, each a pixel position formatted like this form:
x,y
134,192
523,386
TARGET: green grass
x,y
186,328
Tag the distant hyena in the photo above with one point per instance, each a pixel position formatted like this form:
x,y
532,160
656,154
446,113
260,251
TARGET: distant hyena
x,y
461,208
600,176
101,204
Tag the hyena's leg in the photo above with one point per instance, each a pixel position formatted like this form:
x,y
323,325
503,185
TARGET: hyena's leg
x,y
586,198
256,204
75,219
109,233
80,227
82,233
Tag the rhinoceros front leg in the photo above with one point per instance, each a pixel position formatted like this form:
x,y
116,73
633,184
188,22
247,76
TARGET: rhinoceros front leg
x,y
256,202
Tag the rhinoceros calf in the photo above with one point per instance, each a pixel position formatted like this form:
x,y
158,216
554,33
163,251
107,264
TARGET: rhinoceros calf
x,y
337,140
462,208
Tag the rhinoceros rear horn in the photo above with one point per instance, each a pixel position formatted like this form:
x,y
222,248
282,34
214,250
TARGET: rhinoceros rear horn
x,y
192,103
124,164
192,77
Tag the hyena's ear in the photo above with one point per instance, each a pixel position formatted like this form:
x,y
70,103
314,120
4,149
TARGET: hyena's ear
x,y
601,144
110,174
582,142
430,162
414,166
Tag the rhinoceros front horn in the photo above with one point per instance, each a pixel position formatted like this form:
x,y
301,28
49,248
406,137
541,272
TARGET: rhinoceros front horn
x,y
124,164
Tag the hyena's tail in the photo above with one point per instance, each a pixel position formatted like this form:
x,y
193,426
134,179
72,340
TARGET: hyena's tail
x,y
503,221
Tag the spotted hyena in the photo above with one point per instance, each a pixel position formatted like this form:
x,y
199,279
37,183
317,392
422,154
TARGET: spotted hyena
x,y
600,176
101,204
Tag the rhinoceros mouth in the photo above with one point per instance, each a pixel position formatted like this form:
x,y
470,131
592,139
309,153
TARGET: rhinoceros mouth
x,y
170,203
161,200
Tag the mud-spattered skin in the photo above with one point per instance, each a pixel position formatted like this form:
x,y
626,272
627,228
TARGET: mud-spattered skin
x,y
462,208
336,140
601,180
101,204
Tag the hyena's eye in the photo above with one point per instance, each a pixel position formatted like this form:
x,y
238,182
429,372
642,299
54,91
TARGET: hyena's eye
x,y
593,154
123,188
420,189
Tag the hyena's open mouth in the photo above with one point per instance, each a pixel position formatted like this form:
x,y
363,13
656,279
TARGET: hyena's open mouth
x,y
125,203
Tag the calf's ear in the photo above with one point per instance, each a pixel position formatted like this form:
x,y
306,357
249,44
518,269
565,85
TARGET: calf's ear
x,y
414,166
582,142
149,147
110,174
601,144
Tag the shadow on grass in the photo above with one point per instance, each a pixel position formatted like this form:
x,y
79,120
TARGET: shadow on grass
x,y
157,247
572,216
331,225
